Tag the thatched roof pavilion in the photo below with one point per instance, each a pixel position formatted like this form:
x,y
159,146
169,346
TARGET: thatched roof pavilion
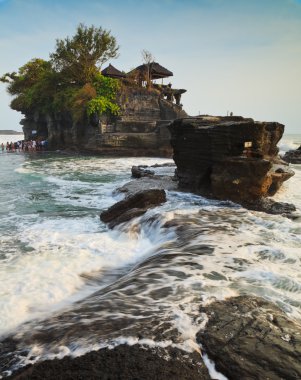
x,y
156,71
112,72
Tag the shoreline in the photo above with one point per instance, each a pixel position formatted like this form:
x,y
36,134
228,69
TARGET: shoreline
x,y
99,364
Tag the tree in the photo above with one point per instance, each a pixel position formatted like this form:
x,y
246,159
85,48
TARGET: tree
x,y
71,80
148,59
32,85
80,57
105,100
27,76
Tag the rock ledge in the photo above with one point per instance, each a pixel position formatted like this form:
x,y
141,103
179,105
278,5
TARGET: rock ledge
x,y
250,338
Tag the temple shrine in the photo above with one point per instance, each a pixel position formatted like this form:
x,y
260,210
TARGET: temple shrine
x,y
146,75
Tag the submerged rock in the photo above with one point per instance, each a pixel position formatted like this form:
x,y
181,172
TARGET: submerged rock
x,y
228,157
140,171
133,206
293,156
250,338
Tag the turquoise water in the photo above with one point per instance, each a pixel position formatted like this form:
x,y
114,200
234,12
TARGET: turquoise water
x,y
50,228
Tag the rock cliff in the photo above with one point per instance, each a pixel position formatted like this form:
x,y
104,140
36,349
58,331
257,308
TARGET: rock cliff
x,y
140,129
228,157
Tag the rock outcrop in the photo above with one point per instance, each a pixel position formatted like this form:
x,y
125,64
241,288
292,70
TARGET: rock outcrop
x,y
139,130
123,362
293,156
228,157
133,206
162,182
141,171
250,338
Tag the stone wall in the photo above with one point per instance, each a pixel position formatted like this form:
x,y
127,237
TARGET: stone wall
x,y
140,129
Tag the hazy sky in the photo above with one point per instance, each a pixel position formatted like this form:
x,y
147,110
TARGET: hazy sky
x,y
242,56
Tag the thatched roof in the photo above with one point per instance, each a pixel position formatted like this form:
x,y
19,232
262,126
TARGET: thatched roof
x,y
112,72
156,71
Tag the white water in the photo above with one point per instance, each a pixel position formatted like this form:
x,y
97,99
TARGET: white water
x,y
55,251
57,246
10,138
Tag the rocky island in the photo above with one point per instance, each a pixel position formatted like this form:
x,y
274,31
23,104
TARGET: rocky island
x,y
76,104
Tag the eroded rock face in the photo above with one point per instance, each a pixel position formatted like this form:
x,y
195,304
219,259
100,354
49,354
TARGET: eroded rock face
x,y
133,206
250,338
293,156
139,130
212,157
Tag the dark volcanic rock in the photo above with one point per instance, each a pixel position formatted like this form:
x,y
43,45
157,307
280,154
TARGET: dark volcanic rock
x,y
148,183
271,207
139,172
133,206
121,363
233,178
212,157
293,156
250,338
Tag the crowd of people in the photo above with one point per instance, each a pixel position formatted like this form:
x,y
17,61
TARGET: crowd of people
x,y
24,146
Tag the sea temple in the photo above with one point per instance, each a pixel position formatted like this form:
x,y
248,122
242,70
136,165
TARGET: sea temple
x,y
146,107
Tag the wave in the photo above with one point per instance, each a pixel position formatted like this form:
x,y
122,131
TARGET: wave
x,y
289,142
68,284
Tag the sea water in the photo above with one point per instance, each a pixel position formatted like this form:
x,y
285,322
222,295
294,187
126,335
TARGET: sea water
x,y
69,285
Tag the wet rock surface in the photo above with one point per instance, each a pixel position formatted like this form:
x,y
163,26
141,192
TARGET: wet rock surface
x,y
250,338
228,157
141,171
148,183
277,208
293,156
133,206
121,363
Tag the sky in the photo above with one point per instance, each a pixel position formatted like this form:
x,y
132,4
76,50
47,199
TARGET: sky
x,y
240,56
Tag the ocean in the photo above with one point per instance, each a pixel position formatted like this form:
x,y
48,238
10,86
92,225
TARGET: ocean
x,y
69,285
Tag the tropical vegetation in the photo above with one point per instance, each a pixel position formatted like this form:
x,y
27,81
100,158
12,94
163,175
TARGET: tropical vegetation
x,y
70,80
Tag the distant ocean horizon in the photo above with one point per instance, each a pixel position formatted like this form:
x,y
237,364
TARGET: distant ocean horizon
x,y
11,132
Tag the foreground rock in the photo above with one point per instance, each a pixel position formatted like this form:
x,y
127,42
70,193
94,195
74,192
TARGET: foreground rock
x,y
133,206
293,156
123,362
228,157
250,338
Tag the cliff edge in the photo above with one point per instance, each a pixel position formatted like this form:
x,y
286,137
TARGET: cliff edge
x,y
228,157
